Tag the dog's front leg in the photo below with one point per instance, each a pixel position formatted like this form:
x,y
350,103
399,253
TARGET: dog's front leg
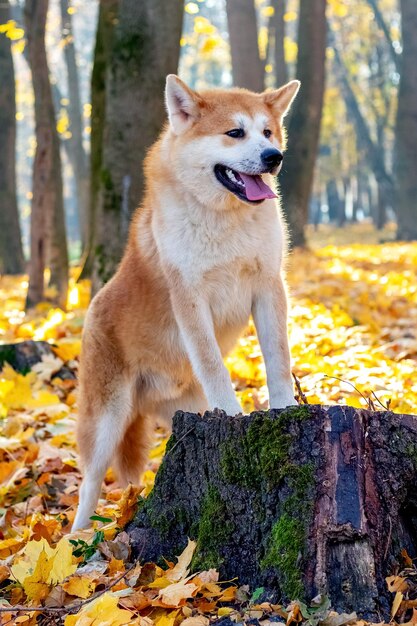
x,y
269,312
195,321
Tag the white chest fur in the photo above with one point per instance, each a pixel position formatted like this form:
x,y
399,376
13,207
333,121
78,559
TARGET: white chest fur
x,y
224,255
196,240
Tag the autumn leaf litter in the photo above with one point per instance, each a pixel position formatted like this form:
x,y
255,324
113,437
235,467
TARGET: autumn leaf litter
x,y
353,318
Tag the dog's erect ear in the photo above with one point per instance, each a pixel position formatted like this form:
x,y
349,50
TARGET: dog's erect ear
x,y
182,103
281,99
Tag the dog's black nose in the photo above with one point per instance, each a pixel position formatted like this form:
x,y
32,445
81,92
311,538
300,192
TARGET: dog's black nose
x,y
271,157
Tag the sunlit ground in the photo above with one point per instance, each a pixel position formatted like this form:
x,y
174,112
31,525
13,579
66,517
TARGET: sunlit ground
x,y
353,336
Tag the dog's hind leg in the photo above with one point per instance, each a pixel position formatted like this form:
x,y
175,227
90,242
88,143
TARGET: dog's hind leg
x,y
132,452
99,436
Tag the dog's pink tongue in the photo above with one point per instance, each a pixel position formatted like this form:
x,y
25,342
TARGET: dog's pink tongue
x,y
255,188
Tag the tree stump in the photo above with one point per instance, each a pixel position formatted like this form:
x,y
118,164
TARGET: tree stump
x,y
22,356
300,501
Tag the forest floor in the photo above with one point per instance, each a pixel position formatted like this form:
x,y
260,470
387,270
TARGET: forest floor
x,y
353,337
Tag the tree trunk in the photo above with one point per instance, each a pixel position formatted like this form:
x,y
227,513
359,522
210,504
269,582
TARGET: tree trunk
x,y
243,34
108,11
278,27
11,252
406,128
363,135
300,501
385,29
296,179
354,190
47,236
145,48
334,201
343,188
76,151
381,209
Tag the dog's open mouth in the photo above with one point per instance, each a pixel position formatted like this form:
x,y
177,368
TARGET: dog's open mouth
x,y
250,188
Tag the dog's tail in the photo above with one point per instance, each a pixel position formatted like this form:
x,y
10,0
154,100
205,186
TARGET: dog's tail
x,y
132,453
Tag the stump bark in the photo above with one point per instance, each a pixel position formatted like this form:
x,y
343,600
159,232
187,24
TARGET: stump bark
x,y
22,356
301,501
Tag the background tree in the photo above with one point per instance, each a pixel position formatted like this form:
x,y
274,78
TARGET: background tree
x,y
382,23
277,32
247,67
296,178
77,153
372,149
144,49
406,127
11,253
357,135
47,235
108,11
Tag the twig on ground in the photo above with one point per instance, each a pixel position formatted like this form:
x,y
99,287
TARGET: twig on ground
x,y
369,401
301,393
70,608
384,406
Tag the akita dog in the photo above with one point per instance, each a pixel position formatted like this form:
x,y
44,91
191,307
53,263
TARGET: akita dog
x,y
205,251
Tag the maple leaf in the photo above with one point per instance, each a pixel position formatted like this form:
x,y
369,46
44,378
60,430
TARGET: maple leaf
x,y
42,565
80,586
101,612
36,586
63,562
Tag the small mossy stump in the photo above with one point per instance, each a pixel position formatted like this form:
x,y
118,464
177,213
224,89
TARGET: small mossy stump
x,y
22,356
300,501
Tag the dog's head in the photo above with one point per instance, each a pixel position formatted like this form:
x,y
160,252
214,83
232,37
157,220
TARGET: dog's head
x,y
223,141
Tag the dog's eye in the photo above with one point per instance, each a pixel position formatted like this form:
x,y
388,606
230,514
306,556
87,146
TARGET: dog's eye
x,y
237,133
267,133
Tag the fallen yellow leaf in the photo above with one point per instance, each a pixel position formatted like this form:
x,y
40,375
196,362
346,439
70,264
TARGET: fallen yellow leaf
x,y
166,619
79,586
36,585
101,612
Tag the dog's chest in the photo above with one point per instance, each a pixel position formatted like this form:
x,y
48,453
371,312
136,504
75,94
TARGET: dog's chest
x,y
229,291
197,244
224,260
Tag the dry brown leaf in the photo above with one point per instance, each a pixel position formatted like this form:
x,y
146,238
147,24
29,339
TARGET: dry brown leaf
x,y
181,569
396,583
397,603
175,593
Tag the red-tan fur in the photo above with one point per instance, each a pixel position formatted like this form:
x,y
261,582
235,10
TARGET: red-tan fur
x,y
135,368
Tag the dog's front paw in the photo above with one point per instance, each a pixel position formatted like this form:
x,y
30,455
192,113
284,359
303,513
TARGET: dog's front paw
x,y
283,400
